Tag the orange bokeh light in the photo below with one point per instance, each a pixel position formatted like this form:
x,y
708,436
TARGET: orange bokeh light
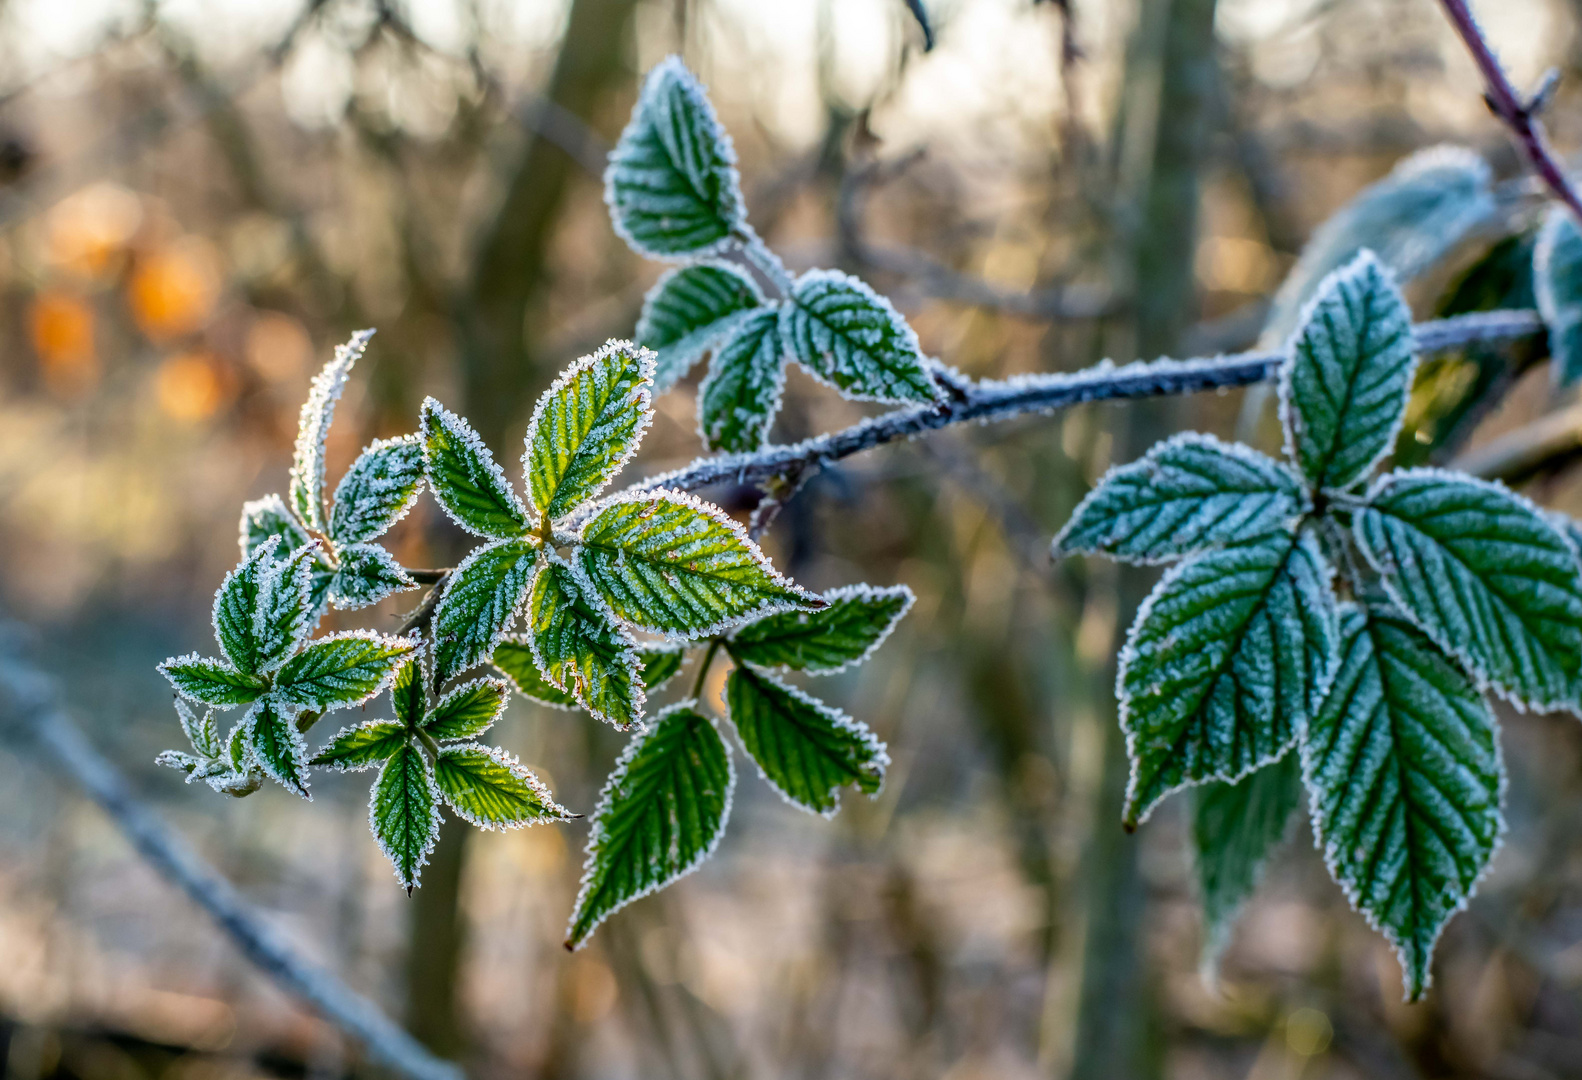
x,y
61,327
174,289
86,232
191,386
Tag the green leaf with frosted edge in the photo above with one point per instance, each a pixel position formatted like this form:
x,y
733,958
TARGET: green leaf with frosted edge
x,y
367,574
586,427
202,732
341,670
1557,284
660,664
671,184
689,311
580,650
738,400
661,814
850,337
1344,386
378,490
804,748
284,614
1404,778
466,482
856,622
1186,494
514,657
489,789
467,711
673,564
361,745
236,608
1223,664
267,517
403,813
1235,828
1486,575
277,746
307,462
211,682
482,598
176,759
409,692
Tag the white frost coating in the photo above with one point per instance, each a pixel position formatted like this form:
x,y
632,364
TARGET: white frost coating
x,y
596,833
377,499
201,734
307,465
368,573
642,392
262,556
479,648
723,359
283,593
433,714
294,738
260,514
855,592
462,432
435,799
674,358
627,655
344,766
904,346
393,663
508,762
525,641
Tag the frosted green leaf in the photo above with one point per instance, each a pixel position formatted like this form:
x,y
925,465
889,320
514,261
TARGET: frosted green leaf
x,y
404,814
236,608
378,490
283,618
466,482
1557,282
673,564
587,426
176,759
1485,574
341,670
580,650
481,600
307,463
514,657
689,311
1344,386
661,814
741,394
805,749
277,746
660,664
212,682
850,337
491,790
267,517
1403,774
201,732
846,633
1235,828
409,692
671,184
1224,662
467,711
1187,493
368,573
362,745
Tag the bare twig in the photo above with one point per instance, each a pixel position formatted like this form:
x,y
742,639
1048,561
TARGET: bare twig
x,y
425,611
31,707
1517,113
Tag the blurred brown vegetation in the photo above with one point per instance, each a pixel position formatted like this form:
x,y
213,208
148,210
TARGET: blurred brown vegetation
x,y
198,199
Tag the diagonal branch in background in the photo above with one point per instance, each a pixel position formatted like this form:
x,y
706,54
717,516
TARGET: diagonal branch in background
x,y
30,706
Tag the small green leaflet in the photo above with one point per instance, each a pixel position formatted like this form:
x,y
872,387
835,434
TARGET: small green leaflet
x,y
1557,282
466,482
806,750
277,746
671,184
514,657
266,517
1485,574
307,463
482,598
211,682
367,574
236,608
403,813
377,491
1187,493
580,650
487,788
688,312
467,711
846,633
341,670
1222,665
1344,385
660,664
211,761
203,734
1403,772
283,612
675,565
1235,827
587,426
660,816
741,395
850,337
361,746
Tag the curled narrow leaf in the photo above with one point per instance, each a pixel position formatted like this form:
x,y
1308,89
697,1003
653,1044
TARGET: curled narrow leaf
x,y
805,749
211,682
277,746
378,490
580,650
587,426
1221,667
367,574
513,656
467,711
1557,284
843,635
689,311
489,789
660,664
361,746
1187,493
341,670
661,814
201,732
403,813
482,598
1403,774
307,463
1485,574
741,394
850,337
466,482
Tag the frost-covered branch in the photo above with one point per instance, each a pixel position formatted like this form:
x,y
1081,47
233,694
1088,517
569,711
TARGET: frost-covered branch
x,y
29,704
1002,399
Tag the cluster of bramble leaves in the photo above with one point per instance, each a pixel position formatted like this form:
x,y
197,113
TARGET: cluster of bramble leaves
x,y
1327,632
